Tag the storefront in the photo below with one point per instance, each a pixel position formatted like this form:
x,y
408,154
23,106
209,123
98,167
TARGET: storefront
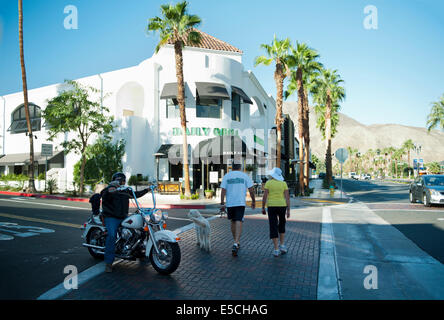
x,y
229,116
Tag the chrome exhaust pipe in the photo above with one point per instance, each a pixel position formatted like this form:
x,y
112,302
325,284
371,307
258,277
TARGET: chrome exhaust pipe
x,y
93,246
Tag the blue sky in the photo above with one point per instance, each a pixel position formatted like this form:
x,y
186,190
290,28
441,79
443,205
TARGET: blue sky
x,y
391,74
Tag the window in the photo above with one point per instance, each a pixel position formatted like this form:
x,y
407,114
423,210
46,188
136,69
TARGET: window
x,y
209,108
235,107
172,109
18,119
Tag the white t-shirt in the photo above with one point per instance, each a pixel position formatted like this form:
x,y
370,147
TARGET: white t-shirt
x,y
236,183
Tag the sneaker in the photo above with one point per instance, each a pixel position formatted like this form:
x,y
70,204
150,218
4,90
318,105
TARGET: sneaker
x,y
283,249
235,249
276,253
109,268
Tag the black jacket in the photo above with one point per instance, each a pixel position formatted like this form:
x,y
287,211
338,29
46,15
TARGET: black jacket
x,y
116,203
95,203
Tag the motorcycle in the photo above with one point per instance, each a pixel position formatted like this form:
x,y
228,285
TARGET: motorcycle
x,y
142,234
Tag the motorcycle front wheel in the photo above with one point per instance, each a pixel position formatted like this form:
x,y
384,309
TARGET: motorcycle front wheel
x,y
168,259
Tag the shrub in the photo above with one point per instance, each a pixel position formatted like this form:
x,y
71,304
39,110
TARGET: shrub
x,y
51,184
195,196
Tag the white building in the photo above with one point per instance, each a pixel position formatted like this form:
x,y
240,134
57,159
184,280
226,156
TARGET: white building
x,y
222,100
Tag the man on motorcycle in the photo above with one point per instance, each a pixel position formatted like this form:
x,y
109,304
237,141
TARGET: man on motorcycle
x,y
115,205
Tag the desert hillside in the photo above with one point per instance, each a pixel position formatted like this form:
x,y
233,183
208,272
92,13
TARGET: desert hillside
x,y
353,134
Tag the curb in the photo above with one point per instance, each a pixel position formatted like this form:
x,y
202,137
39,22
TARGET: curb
x,y
35,195
160,206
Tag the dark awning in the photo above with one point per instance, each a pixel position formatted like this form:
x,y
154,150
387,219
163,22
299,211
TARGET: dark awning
x,y
23,158
21,126
174,152
170,91
211,90
222,146
243,95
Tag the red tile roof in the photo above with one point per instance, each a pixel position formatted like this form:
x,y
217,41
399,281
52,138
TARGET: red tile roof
x,y
210,42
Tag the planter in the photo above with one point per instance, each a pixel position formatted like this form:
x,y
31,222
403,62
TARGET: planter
x,y
208,194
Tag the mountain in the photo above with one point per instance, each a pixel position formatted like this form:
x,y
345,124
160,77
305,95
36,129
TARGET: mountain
x,y
353,134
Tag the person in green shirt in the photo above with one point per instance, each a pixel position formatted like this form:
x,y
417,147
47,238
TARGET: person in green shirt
x,y
277,199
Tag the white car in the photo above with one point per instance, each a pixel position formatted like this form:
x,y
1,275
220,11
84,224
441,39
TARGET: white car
x,y
354,175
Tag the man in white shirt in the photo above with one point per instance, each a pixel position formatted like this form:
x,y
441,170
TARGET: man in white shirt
x,y
234,185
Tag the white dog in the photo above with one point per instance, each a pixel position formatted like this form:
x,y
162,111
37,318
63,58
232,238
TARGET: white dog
x,y
202,227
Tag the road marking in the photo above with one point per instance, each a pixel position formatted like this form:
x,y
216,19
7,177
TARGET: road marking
x,y
441,219
329,287
58,223
31,231
48,204
318,200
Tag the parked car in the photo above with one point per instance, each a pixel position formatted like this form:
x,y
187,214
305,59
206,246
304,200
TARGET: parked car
x,y
353,175
429,189
321,175
366,176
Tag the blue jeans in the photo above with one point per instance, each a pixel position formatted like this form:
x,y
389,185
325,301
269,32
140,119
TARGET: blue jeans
x,y
111,224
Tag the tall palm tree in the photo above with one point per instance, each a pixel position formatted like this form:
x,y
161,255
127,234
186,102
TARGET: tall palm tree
x,y
303,61
277,52
329,93
176,25
436,117
25,96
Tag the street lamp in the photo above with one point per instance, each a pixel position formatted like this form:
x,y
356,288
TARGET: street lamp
x,y
417,148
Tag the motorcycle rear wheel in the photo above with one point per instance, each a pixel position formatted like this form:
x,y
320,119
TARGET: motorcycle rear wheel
x,y
165,264
96,237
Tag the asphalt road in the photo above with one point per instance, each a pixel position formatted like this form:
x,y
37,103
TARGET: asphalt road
x,y
424,226
39,238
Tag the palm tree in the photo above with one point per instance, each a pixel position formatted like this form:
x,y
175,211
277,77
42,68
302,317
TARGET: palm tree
x,y
397,155
390,151
370,155
25,96
408,145
436,117
277,52
303,60
176,25
329,93
351,153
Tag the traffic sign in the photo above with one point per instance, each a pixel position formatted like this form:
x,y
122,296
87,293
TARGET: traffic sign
x,y
341,154
46,150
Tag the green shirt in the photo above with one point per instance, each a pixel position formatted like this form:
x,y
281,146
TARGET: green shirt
x,y
276,197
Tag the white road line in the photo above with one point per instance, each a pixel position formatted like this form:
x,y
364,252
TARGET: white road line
x,y
48,204
328,285
60,290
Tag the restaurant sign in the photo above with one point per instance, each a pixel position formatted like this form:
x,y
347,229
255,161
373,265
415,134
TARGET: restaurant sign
x,y
201,131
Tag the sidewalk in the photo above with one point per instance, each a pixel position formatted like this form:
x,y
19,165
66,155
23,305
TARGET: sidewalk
x,y
254,274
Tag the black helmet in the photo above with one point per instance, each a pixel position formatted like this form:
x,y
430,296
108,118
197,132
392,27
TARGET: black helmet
x,y
118,176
